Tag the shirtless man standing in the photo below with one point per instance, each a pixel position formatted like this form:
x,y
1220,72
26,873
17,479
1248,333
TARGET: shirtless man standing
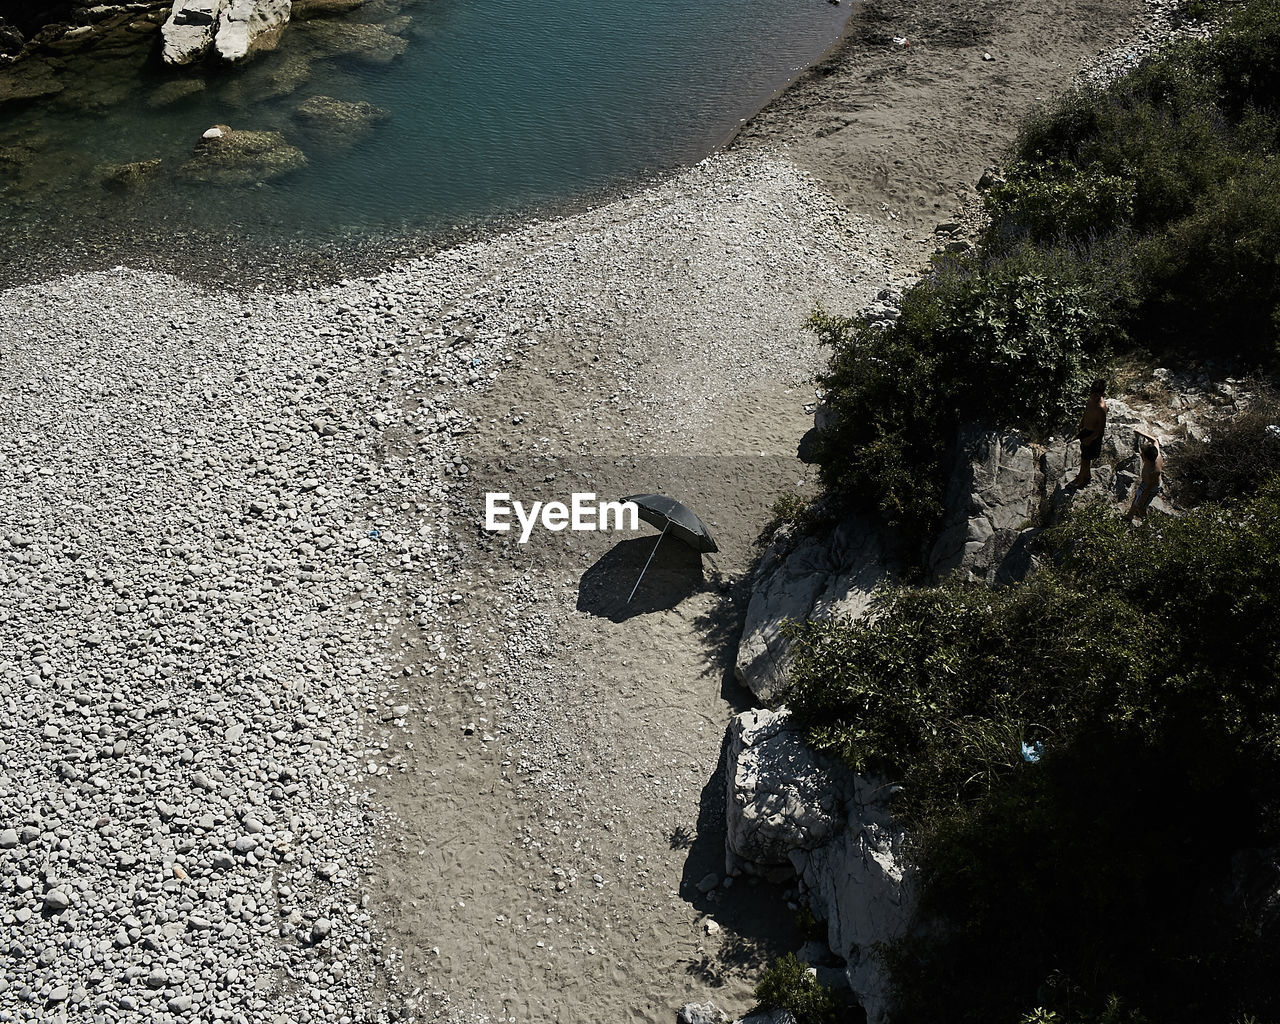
x,y
1092,425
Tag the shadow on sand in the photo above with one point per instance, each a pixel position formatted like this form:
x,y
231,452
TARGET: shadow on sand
x,y
674,574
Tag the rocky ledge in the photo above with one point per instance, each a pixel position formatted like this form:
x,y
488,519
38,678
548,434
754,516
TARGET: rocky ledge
x,y
232,28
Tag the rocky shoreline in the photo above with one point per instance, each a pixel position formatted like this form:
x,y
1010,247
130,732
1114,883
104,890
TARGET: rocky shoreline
x,y
286,734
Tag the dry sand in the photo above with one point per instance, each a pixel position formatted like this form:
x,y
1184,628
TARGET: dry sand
x,y
676,363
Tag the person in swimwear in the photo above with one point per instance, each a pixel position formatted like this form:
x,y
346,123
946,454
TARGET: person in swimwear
x,y
1148,485
1093,425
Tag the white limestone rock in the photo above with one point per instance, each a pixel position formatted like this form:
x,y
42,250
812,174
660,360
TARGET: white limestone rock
x,y
792,813
823,577
246,26
189,30
993,497
862,884
780,796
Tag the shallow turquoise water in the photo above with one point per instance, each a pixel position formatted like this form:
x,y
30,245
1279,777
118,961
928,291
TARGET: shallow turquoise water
x,y
496,108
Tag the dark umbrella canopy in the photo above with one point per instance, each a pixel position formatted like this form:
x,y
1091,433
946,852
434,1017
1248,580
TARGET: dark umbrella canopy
x,y
672,518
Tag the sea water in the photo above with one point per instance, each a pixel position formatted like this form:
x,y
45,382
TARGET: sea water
x,y
496,108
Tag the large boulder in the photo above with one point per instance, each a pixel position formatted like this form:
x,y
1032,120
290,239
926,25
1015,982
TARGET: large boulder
x,y
780,796
233,29
792,813
994,498
227,156
818,577
246,26
189,30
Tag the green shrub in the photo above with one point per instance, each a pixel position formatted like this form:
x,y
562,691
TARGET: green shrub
x,y
1050,200
787,985
1147,664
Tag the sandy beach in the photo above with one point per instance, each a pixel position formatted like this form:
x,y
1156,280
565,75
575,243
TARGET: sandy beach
x,y
492,779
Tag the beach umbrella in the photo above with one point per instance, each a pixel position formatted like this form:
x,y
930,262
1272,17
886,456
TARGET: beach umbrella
x,y
672,518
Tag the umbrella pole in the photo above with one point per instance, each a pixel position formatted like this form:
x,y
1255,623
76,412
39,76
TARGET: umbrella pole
x,y
646,564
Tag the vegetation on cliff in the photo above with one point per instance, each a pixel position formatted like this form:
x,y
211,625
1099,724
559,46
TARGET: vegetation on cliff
x,y
1148,671
1089,760
1140,216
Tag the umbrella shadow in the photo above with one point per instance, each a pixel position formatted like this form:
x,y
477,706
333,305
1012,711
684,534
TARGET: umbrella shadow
x,y
674,574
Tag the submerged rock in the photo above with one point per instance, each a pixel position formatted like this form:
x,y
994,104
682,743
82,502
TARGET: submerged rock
x,y
228,156
123,177
370,44
28,80
324,8
340,121
175,91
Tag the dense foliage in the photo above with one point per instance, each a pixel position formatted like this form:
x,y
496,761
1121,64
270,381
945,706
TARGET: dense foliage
x,y
1147,665
1145,215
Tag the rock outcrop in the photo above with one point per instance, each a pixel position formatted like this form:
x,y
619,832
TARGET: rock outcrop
x,y
246,26
995,498
232,28
820,577
1003,489
791,812
188,31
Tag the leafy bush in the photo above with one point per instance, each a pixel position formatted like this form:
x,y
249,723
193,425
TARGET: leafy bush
x,y
787,985
1180,155
1148,667
1051,200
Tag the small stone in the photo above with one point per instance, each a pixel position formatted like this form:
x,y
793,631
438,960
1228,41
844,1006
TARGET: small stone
x,y
708,882
158,978
8,839
59,994
180,1004
56,901
321,929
